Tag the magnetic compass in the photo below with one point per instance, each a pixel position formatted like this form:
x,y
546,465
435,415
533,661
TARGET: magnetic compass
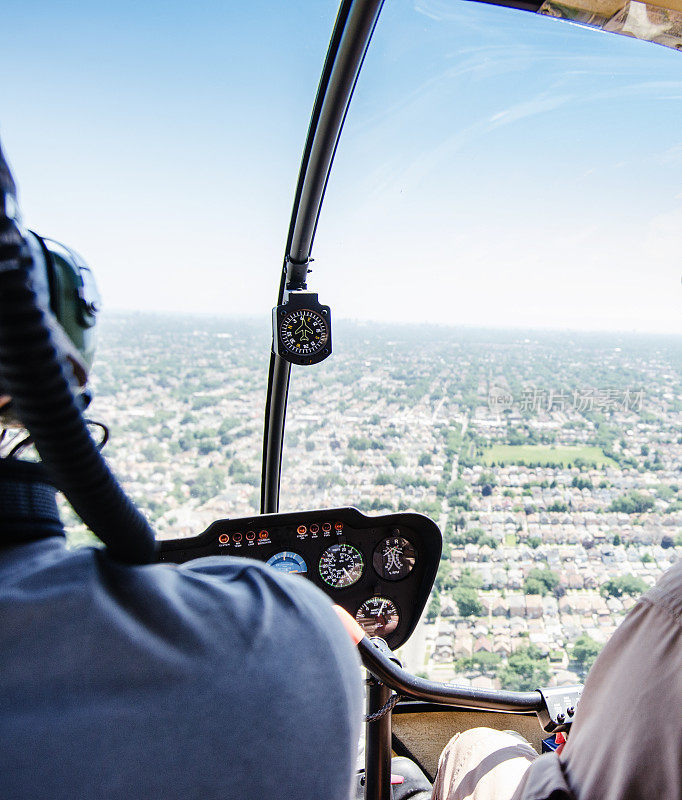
x,y
302,329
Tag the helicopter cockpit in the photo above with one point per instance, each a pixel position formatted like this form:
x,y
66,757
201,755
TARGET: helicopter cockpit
x,y
382,569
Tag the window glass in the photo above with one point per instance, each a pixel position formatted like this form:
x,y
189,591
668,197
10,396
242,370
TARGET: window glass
x,y
499,240
163,142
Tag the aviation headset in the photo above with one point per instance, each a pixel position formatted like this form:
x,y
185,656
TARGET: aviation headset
x,y
66,290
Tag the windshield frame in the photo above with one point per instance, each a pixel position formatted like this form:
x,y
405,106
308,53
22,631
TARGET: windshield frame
x,y
350,39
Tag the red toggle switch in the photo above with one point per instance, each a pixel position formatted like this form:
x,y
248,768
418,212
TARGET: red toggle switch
x,y
560,739
396,780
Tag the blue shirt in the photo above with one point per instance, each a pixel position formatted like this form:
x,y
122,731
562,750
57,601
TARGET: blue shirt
x,y
220,678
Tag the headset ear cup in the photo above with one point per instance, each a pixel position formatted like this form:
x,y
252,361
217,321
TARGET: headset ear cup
x,y
67,348
69,295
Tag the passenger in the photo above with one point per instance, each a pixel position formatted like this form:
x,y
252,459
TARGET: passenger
x,y
216,679
625,741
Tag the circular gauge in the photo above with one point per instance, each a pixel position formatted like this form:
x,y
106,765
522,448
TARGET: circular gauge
x,y
394,558
341,565
288,562
378,616
304,332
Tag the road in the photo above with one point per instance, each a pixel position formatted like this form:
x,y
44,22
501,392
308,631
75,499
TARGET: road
x,y
412,652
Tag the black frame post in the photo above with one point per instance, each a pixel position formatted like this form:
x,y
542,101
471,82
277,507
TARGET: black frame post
x,y
352,32
378,734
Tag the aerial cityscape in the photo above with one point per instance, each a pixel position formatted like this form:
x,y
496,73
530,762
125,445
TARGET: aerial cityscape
x,y
551,461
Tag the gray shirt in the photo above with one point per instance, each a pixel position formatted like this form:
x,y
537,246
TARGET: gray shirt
x,y
220,678
625,742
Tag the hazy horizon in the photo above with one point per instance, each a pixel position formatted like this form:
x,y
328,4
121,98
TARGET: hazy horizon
x,y
266,323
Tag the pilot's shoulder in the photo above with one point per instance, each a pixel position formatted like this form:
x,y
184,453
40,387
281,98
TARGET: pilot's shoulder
x,y
282,621
667,592
263,602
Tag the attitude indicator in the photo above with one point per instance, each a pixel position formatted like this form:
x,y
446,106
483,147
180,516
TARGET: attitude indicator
x,y
288,562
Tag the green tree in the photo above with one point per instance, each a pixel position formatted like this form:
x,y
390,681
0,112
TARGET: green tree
x,y
533,586
153,452
484,661
444,580
433,609
632,503
470,579
623,585
350,459
206,484
540,581
526,670
359,443
585,651
467,601
396,459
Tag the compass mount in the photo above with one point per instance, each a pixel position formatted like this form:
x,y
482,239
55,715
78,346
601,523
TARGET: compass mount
x,y
302,329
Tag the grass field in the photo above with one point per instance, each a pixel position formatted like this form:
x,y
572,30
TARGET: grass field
x,y
545,455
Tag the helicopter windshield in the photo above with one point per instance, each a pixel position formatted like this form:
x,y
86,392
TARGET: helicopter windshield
x,y
499,247
499,234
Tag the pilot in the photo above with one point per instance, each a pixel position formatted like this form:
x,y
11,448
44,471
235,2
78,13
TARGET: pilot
x,y
216,679
625,741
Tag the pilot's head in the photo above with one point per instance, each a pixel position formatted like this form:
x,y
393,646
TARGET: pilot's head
x,y
67,292
48,308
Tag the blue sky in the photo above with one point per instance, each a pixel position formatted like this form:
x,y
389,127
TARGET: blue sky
x,y
496,168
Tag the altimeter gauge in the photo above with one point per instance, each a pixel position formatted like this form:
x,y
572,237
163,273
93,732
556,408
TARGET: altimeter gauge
x,y
341,565
378,616
302,329
394,558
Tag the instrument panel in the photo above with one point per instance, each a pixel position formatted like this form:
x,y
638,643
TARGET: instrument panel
x,y
380,569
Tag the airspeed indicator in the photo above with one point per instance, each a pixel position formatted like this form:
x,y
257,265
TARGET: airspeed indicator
x,y
341,565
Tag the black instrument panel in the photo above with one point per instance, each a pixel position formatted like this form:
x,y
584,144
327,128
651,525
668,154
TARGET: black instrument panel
x,y
380,569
